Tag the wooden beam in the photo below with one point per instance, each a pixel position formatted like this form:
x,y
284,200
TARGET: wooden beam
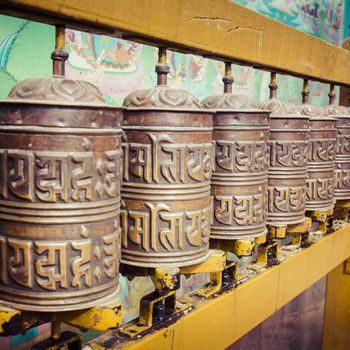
x,y
216,323
216,28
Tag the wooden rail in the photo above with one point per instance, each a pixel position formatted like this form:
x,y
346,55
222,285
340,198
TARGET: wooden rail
x,y
219,29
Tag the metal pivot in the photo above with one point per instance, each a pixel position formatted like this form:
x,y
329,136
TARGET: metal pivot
x,y
58,340
228,78
332,94
67,340
158,306
59,56
273,85
306,92
162,69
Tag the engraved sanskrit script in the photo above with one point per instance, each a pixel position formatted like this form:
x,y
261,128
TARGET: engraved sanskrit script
x,y
160,229
162,161
59,176
59,265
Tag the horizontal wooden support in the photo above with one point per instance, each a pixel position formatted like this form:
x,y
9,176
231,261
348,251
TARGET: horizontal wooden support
x,y
217,323
216,28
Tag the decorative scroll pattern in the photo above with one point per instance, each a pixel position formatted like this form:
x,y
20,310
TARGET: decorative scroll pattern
x,y
276,106
162,97
229,101
56,89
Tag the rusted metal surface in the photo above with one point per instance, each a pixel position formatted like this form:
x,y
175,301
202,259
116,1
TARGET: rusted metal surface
x,y
321,159
168,156
60,153
342,157
289,133
239,182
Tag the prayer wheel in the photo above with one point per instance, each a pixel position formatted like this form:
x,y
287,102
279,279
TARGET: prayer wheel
x,y
289,132
60,174
342,153
168,156
239,181
321,159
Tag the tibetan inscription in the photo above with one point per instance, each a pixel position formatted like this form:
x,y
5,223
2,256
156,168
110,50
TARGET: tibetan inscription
x,y
288,154
162,161
241,156
59,265
286,199
161,229
53,177
239,210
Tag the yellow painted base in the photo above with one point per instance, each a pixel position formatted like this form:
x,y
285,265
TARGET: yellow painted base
x,y
99,318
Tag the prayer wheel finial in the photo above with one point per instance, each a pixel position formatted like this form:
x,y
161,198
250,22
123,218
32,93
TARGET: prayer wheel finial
x,y
273,85
162,69
306,92
228,78
332,94
59,56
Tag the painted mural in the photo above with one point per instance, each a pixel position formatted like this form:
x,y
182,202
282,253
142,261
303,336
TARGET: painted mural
x,y
321,18
119,67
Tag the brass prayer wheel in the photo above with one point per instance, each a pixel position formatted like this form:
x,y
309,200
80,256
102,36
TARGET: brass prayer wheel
x,y
289,132
168,156
60,154
321,158
239,181
342,153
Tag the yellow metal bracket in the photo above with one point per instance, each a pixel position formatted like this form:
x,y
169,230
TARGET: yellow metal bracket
x,y
160,305
220,281
11,321
223,273
323,218
267,254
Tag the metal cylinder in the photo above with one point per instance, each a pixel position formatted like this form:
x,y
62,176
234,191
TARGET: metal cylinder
x,y
168,156
321,159
60,156
342,154
239,181
289,132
